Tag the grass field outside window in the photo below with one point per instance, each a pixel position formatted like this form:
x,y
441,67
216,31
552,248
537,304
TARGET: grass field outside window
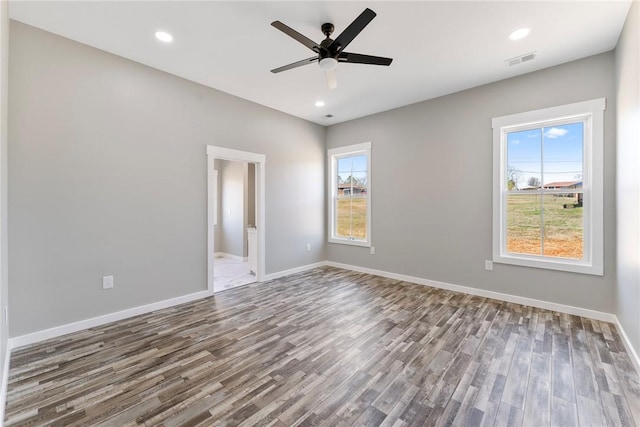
x,y
351,217
548,225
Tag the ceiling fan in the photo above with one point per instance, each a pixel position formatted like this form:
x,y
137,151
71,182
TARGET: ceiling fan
x,y
330,52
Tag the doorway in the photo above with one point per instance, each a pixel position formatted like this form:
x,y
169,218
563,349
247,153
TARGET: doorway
x,y
235,218
234,225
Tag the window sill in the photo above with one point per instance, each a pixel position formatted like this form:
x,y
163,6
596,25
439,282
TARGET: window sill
x,y
548,264
350,242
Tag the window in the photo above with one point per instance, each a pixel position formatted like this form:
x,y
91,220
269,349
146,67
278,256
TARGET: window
x,y
350,195
548,188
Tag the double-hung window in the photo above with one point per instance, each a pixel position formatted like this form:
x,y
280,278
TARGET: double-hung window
x,y
350,194
548,188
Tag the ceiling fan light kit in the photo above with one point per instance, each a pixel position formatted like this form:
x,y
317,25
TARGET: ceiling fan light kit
x,y
328,63
330,52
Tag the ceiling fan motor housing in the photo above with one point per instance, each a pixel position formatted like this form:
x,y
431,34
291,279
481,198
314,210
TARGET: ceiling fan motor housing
x,y
328,48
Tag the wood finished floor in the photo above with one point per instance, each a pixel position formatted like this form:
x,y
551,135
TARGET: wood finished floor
x,y
331,347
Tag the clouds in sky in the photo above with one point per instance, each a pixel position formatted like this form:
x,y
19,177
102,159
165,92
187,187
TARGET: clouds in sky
x,y
556,132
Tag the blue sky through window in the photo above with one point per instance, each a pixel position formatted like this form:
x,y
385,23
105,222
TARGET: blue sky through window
x,y
355,166
549,154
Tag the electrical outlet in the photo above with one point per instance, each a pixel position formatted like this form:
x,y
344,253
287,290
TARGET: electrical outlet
x,y
308,247
107,282
372,250
488,265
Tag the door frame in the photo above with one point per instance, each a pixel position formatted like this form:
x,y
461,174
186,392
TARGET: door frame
x,y
260,160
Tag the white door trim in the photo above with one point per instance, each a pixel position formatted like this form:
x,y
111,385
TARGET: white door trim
x,y
260,161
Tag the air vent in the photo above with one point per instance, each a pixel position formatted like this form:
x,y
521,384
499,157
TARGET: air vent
x,y
520,59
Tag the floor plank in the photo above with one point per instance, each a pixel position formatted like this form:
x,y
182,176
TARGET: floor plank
x,y
330,347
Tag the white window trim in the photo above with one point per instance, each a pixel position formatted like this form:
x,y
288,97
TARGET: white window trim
x,y
593,187
331,155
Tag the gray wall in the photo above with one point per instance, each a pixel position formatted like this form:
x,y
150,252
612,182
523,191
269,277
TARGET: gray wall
x,y
628,176
108,176
4,265
431,184
232,207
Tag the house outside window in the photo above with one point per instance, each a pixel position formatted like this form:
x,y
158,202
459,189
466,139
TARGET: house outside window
x,y
548,188
349,194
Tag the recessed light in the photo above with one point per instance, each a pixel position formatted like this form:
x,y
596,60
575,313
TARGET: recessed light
x,y
519,34
163,36
319,104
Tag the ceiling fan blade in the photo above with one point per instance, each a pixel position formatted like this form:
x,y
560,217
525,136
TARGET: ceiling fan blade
x,y
353,29
297,36
332,81
357,58
295,64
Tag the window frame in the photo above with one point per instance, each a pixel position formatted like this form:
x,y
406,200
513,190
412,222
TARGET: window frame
x,y
592,112
332,156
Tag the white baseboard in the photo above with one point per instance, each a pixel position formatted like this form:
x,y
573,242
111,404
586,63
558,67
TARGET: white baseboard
x,y
295,270
230,256
57,331
5,382
627,344
577,311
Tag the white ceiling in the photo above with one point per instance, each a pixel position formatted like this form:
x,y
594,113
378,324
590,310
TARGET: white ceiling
x,y
439,47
